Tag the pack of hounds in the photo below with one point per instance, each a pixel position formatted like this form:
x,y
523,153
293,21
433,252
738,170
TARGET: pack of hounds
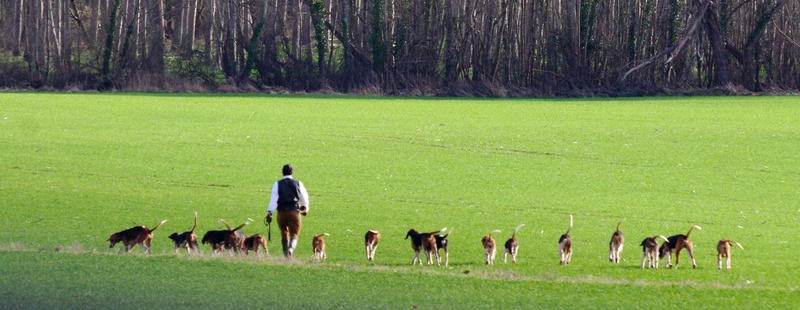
x,y
432,244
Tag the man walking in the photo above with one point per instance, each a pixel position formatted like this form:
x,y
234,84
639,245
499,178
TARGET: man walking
x,y
290,198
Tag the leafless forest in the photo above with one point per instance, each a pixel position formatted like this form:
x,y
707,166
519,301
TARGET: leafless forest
x,y
494,48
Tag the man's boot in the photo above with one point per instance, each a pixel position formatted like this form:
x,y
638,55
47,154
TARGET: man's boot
x,y
292,246
285,245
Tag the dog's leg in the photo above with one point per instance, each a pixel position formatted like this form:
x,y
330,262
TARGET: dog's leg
x,y
645,258
611,252
719,260
655,258
677,258
668,263
689,250
728,261
372,249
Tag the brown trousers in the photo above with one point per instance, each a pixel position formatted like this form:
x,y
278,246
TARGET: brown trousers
x,y
289,223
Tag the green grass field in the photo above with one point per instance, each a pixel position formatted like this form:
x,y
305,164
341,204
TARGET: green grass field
x,y
77,167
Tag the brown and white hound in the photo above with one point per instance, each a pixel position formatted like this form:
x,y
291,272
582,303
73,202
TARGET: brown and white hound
x,y
724,250
615,245
650,251
371,239
489,247
675,244
130,237
565,245
512,246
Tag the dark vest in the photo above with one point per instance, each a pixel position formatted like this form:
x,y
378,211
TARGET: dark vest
x,y
288,195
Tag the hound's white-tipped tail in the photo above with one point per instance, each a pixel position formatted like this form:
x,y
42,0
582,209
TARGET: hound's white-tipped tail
x,y
496,231
159,225
518,227
665,238
739,245
249,219
570,225
443,229
690,230
325,234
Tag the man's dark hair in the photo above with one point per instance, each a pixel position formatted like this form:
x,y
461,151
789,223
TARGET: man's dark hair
x,y
287,169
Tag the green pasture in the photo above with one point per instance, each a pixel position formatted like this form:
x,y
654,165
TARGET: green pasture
x,y
75,168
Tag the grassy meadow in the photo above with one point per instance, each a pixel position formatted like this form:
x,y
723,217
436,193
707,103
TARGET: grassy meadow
x,y
77,167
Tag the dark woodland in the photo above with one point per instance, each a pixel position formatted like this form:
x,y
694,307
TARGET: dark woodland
x,y
466,48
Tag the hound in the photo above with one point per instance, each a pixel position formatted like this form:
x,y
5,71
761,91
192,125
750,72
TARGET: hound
x,y
318,244
225,239
371,239
253,243
130,237
675,245
489,247
424,242
615,245
650,251
565,244
724,250
187,240
235,239
443,244
512,246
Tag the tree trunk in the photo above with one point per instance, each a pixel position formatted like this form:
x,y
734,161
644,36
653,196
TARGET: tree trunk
x,y
109,46
722,69
156,40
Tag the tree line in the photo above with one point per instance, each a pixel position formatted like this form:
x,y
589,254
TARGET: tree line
x,y
413,47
